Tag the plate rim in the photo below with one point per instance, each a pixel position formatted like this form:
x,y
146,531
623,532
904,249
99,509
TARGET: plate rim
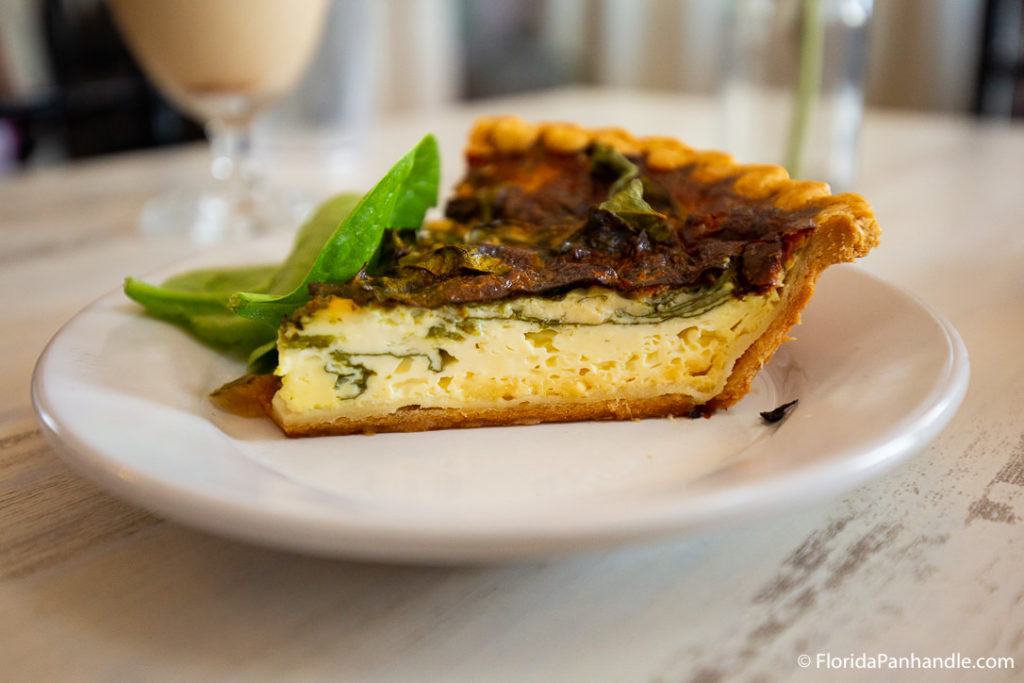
x,y
333,535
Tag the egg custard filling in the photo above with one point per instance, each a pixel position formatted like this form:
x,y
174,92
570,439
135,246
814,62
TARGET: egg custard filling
x,y
590,344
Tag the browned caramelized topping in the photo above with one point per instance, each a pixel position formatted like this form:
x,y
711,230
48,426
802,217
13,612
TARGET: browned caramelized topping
x,y
539,222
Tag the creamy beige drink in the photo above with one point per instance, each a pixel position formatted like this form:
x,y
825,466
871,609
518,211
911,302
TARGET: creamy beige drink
x,y
222,59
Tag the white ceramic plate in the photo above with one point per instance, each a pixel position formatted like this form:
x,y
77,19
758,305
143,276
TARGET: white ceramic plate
x,y
123,399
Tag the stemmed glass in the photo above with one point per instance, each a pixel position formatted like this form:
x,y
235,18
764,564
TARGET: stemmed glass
x,y
221,61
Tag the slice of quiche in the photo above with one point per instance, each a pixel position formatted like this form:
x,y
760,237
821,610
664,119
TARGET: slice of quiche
x,y
577,275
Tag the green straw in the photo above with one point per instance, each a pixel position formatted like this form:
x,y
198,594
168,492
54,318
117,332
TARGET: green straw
x,y
812,51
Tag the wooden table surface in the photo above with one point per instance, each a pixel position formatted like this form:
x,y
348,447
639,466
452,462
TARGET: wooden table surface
x,y
927,560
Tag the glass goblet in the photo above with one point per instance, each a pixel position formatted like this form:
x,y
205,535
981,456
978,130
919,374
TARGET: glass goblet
x,y
221,61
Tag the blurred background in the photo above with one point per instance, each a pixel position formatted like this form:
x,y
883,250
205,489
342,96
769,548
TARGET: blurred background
x,y
70,89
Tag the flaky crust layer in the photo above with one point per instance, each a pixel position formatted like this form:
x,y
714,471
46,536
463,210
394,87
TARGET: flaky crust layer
x,y
845,229
415,419
837,239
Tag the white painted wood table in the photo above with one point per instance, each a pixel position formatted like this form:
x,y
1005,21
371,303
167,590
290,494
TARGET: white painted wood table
x,y
926,560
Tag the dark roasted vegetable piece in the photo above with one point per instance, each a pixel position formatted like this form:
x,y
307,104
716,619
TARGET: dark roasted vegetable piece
x,y
779,414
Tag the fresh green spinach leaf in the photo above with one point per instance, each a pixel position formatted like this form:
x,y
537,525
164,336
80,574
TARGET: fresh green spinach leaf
x,y
342,235
419,192
221,280
204,314
309,240
400,199
198,300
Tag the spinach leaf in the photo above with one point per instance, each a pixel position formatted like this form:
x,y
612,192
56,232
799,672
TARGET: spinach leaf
x,y
631,207
611,164
221,280
204,313
309,240
626,194
239,309
419,192
400,199
198,300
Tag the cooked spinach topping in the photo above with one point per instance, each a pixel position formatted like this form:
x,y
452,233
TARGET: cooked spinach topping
x,y
608,163
539,224
628,205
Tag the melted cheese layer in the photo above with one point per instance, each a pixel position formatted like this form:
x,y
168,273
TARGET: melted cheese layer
x,y
352,361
